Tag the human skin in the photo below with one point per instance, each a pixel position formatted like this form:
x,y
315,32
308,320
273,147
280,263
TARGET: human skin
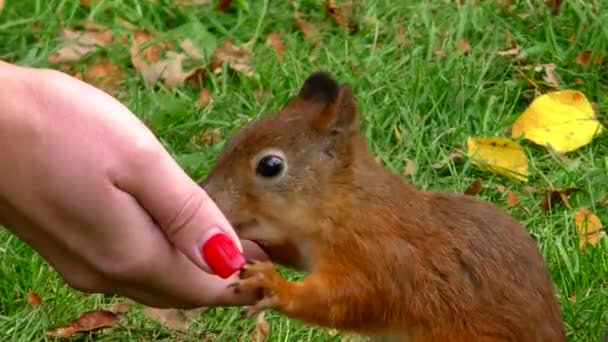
x,y
93,191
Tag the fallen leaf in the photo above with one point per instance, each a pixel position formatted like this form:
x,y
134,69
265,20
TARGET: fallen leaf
x,y
454,156
409,167
89,321
463,46
33,299
274,40
191,50
555,195
551,77
562,120
501,188
237,58
341,15
1,5
554,5
513,51
474,188
170,70
105,75
213,137
204,98
499,155
261,329
186,3
529,189
583,58
307,29
174,319
224,5
588,226
512,199
76,44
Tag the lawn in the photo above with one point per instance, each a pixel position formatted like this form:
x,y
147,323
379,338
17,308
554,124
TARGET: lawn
x,y
426,74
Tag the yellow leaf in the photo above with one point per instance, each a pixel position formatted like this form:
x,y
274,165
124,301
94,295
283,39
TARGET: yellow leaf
x,y
588,227
563,120
499,155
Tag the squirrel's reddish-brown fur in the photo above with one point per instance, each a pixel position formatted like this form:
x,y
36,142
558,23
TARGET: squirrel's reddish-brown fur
x,y
383,258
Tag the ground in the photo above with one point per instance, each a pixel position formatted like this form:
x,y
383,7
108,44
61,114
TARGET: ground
x,y
426,75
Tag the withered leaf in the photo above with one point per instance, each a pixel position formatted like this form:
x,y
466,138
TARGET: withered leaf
x,y
529,189
583,58
554,196
33,299
89,321
76,44
204,98
409,167
105,75
261,329
588,227
237,57
342,15
551,77
213,137
474,188
192,2
174,319
501,188
307,29
224,5
454,156
463,46
554,5
512,199
274,40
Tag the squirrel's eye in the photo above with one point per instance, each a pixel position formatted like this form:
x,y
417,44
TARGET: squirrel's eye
x,y
270,166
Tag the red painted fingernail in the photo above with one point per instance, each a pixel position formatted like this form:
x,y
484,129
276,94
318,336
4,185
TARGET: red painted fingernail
x,y
222,256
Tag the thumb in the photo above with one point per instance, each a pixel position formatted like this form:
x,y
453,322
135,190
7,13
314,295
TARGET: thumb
x,y
183,210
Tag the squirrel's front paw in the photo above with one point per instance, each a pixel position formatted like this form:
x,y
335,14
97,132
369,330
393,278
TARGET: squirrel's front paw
x,y
258,275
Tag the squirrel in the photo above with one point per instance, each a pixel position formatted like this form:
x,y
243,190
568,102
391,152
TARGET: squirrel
x,y
383,259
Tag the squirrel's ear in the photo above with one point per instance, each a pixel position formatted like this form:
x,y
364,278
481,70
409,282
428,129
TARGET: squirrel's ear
x,y
340,115
319,88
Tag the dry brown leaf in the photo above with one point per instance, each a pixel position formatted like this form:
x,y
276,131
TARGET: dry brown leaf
x,y
192,2
174,319
33,299
261,329
76,44
307,29
409,167
105,75
588,227
463,46
557,195
191,50
212,138
501,188
152,68
237,58
551,77
454,156
475,188
88,321
1,5
512,199
512,51
204,98
554,5
274,40
583,58
224,5
342,15
529,189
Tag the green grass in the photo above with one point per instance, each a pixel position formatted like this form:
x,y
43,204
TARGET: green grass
x,y
433,103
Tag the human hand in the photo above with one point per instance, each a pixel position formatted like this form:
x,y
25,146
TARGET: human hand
x,y
86,184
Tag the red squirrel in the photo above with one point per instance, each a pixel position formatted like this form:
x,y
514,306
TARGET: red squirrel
x,y
383,259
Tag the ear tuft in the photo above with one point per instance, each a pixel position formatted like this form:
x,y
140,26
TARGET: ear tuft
x,y
320,87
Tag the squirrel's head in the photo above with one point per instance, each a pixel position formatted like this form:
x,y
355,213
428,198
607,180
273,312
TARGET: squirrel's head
x,y
274,177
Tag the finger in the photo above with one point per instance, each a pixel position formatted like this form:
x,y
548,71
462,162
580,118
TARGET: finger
x,y
156,273
185,213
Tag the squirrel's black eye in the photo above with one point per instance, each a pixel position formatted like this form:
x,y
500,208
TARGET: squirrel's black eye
x,y
270,166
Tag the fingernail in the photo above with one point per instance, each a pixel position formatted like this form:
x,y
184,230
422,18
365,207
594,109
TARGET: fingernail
x,y
222,255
